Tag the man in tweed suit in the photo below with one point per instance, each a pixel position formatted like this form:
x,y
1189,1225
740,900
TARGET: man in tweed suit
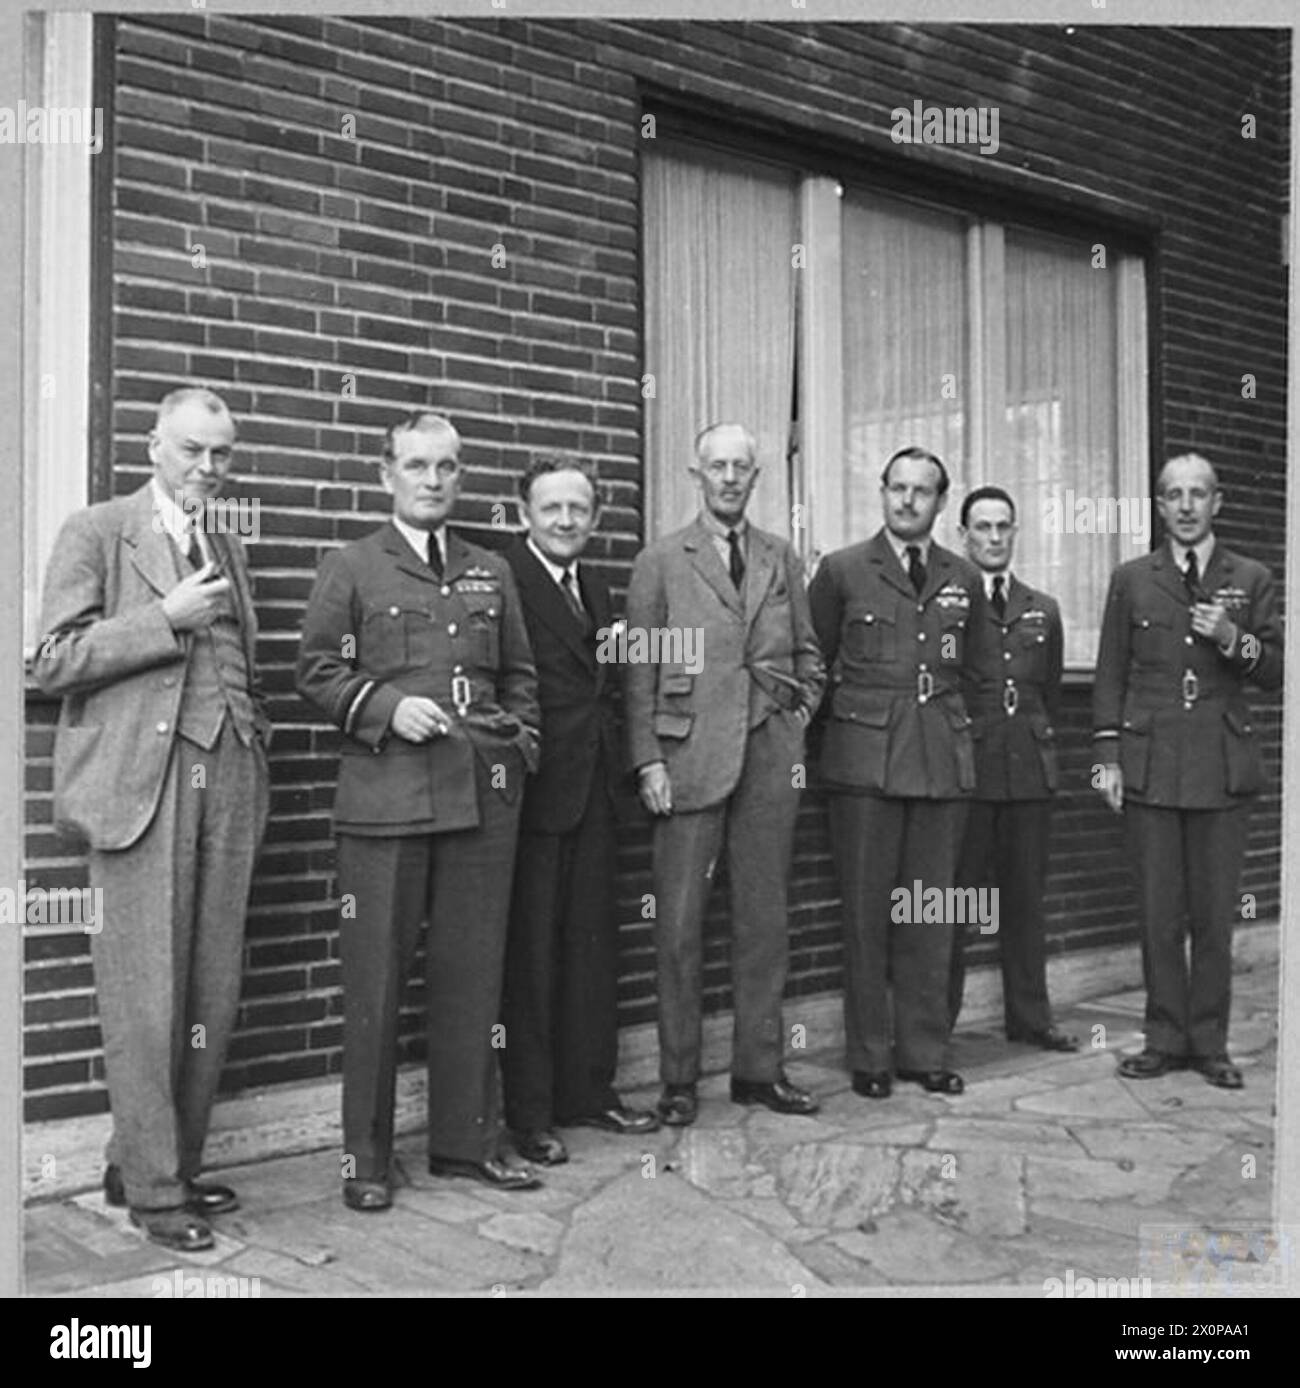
x,y
160,764
717,745
1186,629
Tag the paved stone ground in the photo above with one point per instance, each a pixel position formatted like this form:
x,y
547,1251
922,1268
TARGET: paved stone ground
x,y
1046,1167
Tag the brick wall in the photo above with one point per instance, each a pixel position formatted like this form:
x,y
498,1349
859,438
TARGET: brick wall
x,y
346,274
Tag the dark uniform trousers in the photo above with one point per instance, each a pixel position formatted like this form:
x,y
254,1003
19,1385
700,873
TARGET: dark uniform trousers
x,y
898,762
1170,708
456,882
560,1003
756,822
1012,687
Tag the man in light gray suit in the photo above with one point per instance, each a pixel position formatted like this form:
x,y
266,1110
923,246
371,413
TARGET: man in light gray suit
x,y
716,744
160,765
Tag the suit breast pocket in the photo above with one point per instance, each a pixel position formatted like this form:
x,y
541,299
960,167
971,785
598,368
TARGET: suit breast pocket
x,y
1242,771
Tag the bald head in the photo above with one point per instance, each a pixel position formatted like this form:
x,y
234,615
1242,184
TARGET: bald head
x,y
1188,498
200,398
1188,467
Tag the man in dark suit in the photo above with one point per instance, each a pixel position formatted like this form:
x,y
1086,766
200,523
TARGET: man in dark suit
x,y
414,646
1012,687
892,615
1186,628
160,764
561,1046
717,741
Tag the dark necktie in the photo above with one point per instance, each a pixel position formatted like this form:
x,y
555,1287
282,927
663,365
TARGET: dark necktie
x,y
569,587
915,569
435,555
737,560
195,555
999,597
1192,576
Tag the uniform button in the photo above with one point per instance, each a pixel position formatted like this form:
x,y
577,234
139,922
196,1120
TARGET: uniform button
x,y
920,607
1146,622
870,617
161,728
451,628
446,591
1187,641
458,670
169,681
1006,655
393,611
1187,703
922,665
1041,638
920,636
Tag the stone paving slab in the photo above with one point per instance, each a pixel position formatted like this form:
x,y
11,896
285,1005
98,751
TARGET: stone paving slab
x,y
1047,1162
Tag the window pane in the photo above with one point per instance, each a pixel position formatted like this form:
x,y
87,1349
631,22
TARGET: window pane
x,y
1061,427
720,322
905,344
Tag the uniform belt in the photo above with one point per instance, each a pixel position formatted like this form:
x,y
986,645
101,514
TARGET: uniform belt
x,y
1185,687
1009,697
934,686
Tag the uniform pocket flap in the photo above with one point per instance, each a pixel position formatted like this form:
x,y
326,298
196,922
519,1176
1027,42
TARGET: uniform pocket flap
x,y
1239,722
861,706
676,683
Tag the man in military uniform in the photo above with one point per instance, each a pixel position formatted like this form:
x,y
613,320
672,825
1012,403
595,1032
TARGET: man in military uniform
x,y
414,645
1186,628
1012,688
891,615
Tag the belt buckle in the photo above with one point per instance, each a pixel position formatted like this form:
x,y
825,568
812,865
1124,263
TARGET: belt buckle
x,y
461,694
1191,686
1010,698
924,685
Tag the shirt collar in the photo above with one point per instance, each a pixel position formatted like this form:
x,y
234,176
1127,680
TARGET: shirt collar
x,y
556,571
419,539
988,577
1204,549
719,531
901,547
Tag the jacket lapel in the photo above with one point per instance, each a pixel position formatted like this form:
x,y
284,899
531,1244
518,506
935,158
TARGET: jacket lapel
x,y
1168,575
153,556
405,557
1019,601
882,555
760,570
542,596
231,560
703,554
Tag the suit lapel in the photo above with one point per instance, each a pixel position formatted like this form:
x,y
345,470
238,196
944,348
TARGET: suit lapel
x,y
231,560
595,593
542,595
153,556
703,555
1019,601
1168,575
455,560
760,569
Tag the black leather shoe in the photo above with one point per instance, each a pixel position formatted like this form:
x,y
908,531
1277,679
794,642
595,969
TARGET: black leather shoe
x,y
1149,1065
1049,1040
1218,1071
178,1230
542,1146
779,1095
935,1081
202,1197
873,1084
367,1197
617,1119
678,1105
491,1173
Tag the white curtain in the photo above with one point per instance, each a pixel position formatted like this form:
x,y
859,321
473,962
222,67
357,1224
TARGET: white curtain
x,y
906,373
720,302
1061,428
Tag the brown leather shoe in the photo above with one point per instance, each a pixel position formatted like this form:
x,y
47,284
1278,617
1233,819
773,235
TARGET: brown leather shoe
x,y
178,1230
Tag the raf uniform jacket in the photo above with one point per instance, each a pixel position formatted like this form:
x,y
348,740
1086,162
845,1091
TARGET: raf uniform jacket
x,y
759,655
1173,701
576,692
897,723
380,626
110,651
1012,687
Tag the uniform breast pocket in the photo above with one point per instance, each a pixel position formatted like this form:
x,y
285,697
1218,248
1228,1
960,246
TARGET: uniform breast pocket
x,y
483,626
1150,635
393,638
870,634
1029,642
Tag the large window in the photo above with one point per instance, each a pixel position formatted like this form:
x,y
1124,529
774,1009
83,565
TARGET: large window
x,y
842,324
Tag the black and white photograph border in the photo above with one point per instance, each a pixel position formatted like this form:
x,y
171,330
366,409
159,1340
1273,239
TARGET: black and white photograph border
x,y
587,231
